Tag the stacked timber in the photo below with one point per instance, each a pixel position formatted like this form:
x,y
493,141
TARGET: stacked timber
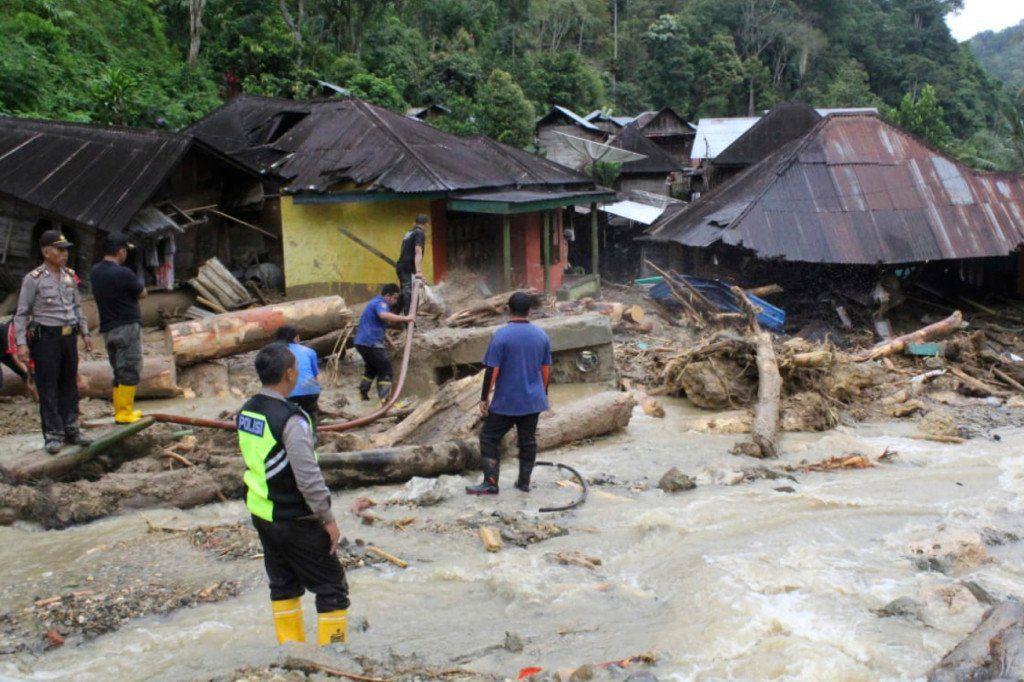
x,y
246,330
218,289
488,311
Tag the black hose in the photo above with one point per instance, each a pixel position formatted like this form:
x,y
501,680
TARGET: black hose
x,y
583,484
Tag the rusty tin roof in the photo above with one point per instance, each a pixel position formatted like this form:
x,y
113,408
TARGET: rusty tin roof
x,y
856,189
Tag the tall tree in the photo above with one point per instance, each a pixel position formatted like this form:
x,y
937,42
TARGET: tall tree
x,y
195,31
504,112
923,116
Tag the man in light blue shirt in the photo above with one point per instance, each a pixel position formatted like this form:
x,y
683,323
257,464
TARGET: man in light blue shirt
x,y
307,388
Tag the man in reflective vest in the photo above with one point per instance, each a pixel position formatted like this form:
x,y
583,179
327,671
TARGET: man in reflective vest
x,y
290,503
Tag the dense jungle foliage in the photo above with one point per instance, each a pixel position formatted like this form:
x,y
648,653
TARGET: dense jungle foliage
x,y
497,64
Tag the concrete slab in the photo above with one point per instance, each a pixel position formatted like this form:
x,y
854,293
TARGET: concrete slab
x,y
444,353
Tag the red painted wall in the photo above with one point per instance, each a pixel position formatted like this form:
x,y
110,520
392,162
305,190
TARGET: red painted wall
x,y
527,250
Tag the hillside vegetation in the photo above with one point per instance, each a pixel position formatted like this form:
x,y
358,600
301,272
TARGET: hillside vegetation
x,y
1002,54
496,64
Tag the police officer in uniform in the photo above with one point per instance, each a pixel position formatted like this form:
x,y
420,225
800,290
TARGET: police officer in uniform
x,y
290,503
46,326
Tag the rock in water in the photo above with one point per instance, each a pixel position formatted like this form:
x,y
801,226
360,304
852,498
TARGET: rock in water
x,y
675,480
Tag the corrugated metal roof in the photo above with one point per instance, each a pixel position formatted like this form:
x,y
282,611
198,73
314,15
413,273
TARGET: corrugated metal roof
x,y
312,146
664,122
634,210
715,134
97,176
656,161
856,189
557,111
783,123
848,110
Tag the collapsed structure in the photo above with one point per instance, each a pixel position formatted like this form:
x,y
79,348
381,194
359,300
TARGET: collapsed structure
x,y
854,191
159,187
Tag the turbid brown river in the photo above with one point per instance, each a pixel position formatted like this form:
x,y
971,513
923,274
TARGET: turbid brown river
x,y
724,581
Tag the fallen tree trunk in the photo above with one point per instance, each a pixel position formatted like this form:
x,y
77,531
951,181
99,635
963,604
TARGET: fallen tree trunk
x,y
40,464
993,650
936,330
246,330
96,379
769,394
595,416
459,395
155,308
64,504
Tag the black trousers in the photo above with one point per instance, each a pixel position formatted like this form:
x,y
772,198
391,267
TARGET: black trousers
x,y
377,365
297,557
405,283
56,366
494,429
309,403
8,359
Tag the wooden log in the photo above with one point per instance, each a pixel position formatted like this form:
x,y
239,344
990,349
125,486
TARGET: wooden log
x,y
1007,379
390,558
461,394
769,394
491,537
159,379
245,330
329,343
63,504
821,357
155,308
595,416
977,385
766,290
635,314
993,650
40,464
936,330
230,281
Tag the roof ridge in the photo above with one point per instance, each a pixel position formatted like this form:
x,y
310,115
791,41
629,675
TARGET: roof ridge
x,y
99,127
785,161
368,109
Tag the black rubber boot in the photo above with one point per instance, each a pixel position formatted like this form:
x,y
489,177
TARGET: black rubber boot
x,y
364,389
525,471
383,391
489,486
53,445
75,437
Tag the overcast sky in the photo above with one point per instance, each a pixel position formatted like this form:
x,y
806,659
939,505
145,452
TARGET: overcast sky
x,y
985,15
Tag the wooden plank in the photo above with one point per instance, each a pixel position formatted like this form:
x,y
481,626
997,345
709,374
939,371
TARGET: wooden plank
x,y
369,247
546,241
595,260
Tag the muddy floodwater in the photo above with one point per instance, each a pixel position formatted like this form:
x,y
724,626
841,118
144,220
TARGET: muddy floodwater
x,y
765,578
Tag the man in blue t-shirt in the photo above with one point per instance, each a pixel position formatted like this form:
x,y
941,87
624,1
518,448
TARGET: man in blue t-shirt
x,y
307,389
517,367
370,341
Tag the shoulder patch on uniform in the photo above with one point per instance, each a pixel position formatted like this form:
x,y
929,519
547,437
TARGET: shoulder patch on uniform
x,y
37,272
251,425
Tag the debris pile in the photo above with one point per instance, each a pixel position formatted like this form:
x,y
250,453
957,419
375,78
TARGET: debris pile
x,y
517,528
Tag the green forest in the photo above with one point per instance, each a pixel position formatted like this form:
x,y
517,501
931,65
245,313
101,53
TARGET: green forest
x,y
497,64
1002,54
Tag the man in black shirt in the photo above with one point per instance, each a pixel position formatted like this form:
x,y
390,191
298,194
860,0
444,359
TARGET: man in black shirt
x,y
117,291
410,260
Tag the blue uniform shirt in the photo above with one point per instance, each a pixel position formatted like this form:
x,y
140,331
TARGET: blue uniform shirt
x,y
518,350
309,370
371,327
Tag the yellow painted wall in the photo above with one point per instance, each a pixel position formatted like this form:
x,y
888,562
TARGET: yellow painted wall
x,y
318,259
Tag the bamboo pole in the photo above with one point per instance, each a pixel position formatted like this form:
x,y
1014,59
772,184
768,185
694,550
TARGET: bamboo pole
x,y
506,250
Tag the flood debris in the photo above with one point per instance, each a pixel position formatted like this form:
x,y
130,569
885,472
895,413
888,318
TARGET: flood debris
x,y
993,650
573,559
674,481
516,528
87,613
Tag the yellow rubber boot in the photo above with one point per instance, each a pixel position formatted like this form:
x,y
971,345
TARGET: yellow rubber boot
x,y
118,404
288,620
124,405
332,628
